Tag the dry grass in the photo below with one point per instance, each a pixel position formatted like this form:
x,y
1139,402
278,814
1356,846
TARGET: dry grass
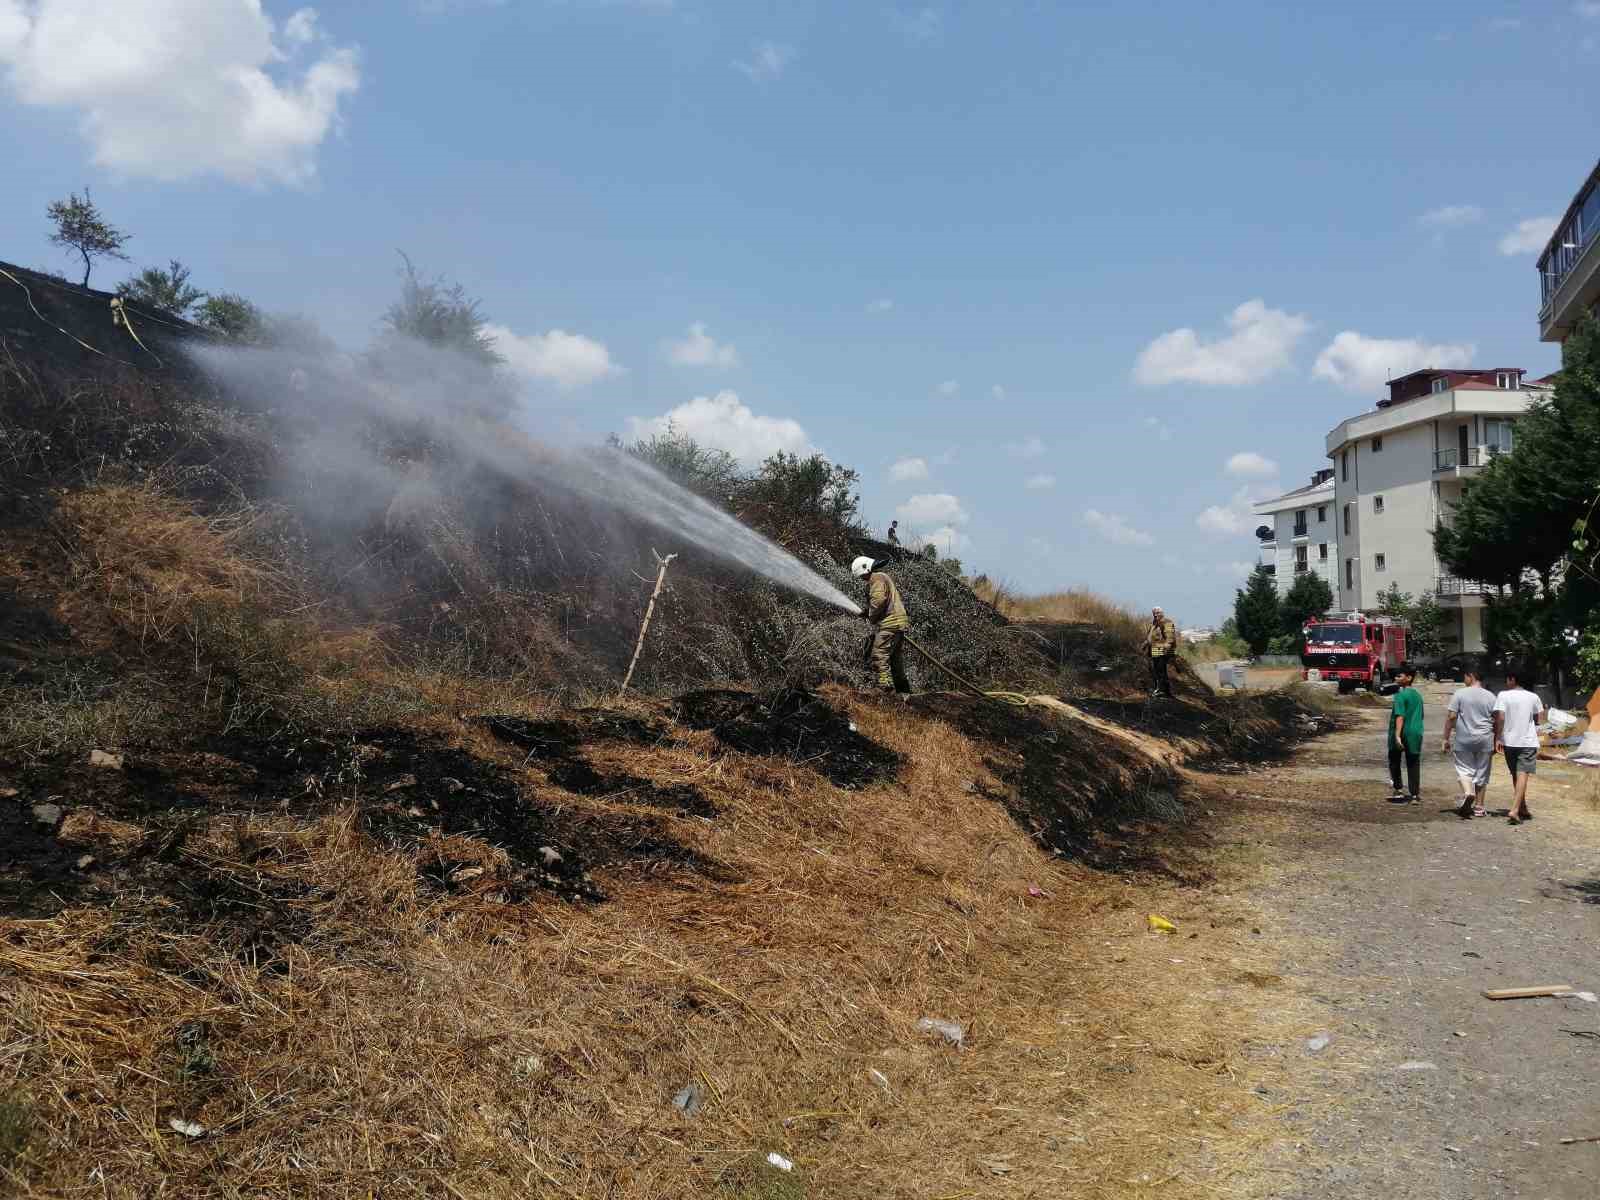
x,y
1077,606
412,1044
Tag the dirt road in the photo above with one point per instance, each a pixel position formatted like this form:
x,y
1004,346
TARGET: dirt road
x,y
1393,919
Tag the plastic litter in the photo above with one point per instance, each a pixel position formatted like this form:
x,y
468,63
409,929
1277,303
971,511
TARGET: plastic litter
x,y
189,1129
1038,893
1162,925
779,1161
1560,720
948,1030
690,1099
1417,1066
878,1077
1319,1043
1588,752
1586,997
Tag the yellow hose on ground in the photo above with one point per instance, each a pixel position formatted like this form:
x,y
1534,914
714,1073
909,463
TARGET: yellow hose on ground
x,y
1009,699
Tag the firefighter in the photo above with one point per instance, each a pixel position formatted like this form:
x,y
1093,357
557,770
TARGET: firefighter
x,y
887,614
1161,642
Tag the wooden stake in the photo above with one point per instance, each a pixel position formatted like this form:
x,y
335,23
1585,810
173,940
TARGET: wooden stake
x,y
1528,993
648,613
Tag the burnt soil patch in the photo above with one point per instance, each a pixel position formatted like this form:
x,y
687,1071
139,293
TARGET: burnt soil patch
x,y
1077,795
555,745
795,724
1254,728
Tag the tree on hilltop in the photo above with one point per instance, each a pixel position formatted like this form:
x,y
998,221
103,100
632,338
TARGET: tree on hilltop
x,y
81,227
167,290
441,314
231,315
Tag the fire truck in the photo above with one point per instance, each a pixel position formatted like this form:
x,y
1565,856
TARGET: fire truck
x,y
1353,648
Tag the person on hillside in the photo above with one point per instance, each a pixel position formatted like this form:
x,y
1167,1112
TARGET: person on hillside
x,y
1469,739
1405,738
1516,733
894,535
886,612
1161,643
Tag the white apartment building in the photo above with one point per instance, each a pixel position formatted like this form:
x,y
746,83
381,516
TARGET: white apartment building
x,y
1397,474
1303,534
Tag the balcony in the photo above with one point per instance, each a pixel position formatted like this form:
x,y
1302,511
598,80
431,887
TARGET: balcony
x,y
1301,568
1451,462
1461,593
1301,531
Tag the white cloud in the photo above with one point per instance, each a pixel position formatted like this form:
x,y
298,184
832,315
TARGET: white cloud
x,y
906,469
1450,216
1160,428
947,539
1359,363
699,349
881,305
724,422
170,89
566,359
1589,10
1247,464
997,392
919,27
948,388
1115,529
1039,483
935,508
1237,516
1031,446
1236,569
1529,237
1259,345
767,62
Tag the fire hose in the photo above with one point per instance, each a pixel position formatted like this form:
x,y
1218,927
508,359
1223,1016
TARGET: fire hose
x,y
1007,699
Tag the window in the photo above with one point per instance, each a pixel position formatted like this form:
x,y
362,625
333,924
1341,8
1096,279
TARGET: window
x,y
1377,445
1505,379
1497,436
1322,514
1440,384
1380,563
1344,466
1299,560
1322,552
1349,573
1300,523
1347,520
1377,504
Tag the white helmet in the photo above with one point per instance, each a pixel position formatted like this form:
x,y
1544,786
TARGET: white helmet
x,y
862,567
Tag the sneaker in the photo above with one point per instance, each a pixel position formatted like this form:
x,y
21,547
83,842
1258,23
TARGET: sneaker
x,y
1399,798
1414,799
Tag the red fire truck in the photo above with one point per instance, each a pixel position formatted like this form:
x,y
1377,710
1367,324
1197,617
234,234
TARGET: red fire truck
x,y
1355,649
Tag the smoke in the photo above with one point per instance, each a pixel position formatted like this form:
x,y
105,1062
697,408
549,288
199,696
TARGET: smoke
x,y
436,401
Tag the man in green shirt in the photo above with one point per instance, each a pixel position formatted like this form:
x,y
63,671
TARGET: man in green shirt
x,y
1405,737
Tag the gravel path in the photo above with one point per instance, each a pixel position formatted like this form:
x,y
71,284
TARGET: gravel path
x,y
1412,913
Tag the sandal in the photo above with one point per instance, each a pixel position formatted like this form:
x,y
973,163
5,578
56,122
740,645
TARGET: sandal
x,y
1464,810
1479,810
1512,820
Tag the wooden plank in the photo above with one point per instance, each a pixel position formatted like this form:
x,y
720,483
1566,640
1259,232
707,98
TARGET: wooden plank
x,y
1527,993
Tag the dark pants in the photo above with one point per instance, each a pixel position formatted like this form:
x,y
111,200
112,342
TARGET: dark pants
x,y
1413,769
1158,674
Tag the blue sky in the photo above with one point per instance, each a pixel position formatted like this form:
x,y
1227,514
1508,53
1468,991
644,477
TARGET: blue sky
x,y
1039,272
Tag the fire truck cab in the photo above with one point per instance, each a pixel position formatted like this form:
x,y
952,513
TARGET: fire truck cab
x,y
1353,649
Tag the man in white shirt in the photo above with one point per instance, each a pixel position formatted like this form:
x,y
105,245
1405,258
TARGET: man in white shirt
x,y
1469,738
1516,719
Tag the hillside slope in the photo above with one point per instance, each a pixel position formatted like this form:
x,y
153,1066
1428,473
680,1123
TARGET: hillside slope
x,y
270,780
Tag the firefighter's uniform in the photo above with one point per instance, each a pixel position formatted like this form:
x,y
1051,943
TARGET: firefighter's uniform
x,y
887,614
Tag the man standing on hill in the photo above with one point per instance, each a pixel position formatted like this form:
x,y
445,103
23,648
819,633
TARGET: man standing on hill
x,y
1405,738
1516,720
1161,642
887,614
1469,738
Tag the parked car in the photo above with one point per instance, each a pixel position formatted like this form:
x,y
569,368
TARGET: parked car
x,y
1451,667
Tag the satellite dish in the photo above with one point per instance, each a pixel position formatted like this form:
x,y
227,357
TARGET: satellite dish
x,y
1263,533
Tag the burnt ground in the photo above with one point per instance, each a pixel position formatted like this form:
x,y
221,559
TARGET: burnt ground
x,y
795,724
1254,728
408,789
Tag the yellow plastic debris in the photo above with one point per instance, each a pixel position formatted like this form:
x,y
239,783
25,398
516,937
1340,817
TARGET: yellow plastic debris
x,y
1162,925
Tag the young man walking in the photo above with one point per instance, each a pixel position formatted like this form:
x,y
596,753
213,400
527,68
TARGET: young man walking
x,y
1516,720
1469,739
1161,642
1405,738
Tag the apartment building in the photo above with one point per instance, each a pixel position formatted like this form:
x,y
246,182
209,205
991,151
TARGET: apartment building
x,y
1569,268
1302,534
1397,473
